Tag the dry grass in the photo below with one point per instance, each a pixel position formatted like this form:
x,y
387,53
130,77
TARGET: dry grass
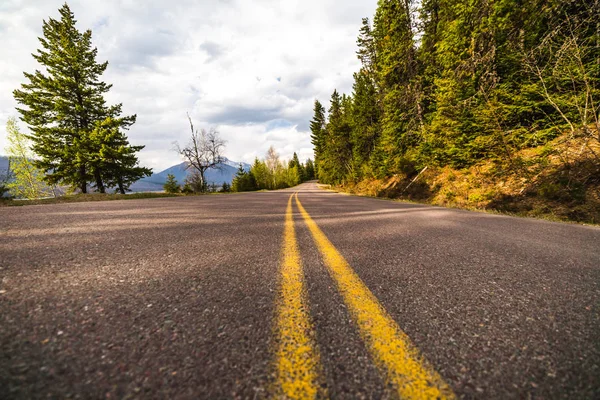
x,y
558,181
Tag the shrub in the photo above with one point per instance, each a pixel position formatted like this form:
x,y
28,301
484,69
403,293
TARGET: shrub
x,y
171,186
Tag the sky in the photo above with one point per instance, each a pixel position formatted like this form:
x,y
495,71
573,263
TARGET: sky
x,y
252,69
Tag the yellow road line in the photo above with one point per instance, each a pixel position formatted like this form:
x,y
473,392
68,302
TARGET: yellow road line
x,y
391,348
297,358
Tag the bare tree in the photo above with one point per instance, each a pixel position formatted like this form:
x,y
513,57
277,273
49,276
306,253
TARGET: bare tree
x,y
272,159
203,151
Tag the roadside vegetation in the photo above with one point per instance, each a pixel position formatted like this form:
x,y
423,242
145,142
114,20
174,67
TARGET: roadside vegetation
x,y
271,173
76,141
478,105
192,185
23,179
84,198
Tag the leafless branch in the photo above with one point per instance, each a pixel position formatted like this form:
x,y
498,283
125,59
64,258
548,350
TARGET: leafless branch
x,y
203,151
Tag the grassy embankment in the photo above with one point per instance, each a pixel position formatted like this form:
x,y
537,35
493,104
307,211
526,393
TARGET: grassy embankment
x,y
559,181
81,198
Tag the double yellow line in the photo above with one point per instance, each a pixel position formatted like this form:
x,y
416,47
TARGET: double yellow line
x,y
297,359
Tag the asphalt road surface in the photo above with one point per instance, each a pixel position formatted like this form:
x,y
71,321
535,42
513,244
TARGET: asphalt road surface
x,y
260,295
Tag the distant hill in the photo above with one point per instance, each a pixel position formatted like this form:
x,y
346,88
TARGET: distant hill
x,y
3,171
156,181
3,164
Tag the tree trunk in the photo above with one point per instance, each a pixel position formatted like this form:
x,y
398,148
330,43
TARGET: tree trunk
x,y
202,180
99,184
121,187
83,182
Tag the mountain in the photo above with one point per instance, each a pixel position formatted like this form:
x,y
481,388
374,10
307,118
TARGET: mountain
x,y
155,182
3,172
236,164
3,164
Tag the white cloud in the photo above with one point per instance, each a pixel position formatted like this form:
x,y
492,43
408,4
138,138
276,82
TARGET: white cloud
x,y
250,68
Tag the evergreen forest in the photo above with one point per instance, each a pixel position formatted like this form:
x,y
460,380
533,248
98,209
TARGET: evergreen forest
x,y
480,103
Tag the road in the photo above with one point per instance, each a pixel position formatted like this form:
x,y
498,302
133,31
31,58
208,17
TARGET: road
x,y
260,295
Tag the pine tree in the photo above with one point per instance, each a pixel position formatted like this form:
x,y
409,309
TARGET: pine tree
x,y
337,148
396,73
63,104
427,52
115,158
295,162
171,185
366,116
243,181
309,169
466,56
317,129
367,50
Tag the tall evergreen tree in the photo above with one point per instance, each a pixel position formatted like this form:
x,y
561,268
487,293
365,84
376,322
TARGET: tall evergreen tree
x,y
396,73
63,104
337,148
429,16
317,136
309,168
295,162
366,116
367,51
